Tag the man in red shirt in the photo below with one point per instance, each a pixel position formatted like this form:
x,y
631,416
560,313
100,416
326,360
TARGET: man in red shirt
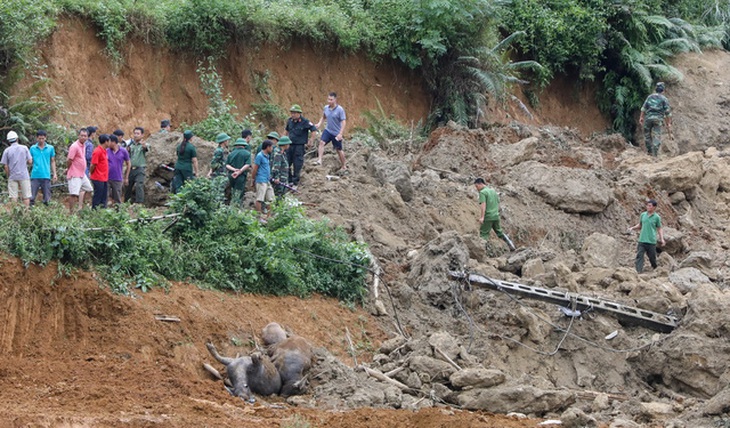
x,y
100,172
78,182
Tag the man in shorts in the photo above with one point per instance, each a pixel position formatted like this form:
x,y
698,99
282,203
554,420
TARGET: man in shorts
x,y
119,167
78,182
15,160
262,176
44,168
336,119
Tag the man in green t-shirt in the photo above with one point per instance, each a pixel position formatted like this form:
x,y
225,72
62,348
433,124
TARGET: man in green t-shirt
x,y
489,216
650,224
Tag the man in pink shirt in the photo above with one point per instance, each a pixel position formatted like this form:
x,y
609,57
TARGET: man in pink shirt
x,y
100,172
78,182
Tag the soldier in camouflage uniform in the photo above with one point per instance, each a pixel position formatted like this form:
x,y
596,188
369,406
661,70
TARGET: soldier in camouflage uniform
x,y
238,164
655,111
280,166
218,164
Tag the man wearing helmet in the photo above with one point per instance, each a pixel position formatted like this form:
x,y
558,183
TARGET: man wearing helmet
x,y
655,111
15,161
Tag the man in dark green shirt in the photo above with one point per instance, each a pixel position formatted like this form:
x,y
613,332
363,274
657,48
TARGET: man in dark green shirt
x,y
650,225
489,213
238,163
138,156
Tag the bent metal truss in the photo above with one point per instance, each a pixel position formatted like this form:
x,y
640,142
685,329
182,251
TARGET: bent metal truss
x,y
627,314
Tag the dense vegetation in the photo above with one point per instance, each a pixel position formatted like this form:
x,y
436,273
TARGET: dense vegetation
x,y
211,244
622,44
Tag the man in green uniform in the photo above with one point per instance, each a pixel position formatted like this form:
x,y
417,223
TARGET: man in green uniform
x,y
186,166
238,164
654,112
280,167
218,163
489,214
650,225
138,149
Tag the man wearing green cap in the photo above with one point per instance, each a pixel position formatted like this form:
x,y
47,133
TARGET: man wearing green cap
x,y
655,111
280,167
298,129
218,163
238,164
186,166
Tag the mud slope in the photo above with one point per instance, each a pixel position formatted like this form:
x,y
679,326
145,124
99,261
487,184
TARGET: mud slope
x,y
155,83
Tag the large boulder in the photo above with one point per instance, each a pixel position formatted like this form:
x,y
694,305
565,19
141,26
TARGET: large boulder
x,y
162,155
429,269
516,398
476,378
601,251
687,279
512,154
675,174
393,172
569,189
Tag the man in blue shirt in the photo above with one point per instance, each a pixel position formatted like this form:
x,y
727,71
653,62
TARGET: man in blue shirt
x,y
262,176
334,133
44,167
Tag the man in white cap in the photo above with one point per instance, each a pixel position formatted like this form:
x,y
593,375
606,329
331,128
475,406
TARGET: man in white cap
x,y
15,161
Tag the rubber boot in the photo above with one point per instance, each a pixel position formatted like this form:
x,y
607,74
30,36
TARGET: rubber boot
x,y
509,243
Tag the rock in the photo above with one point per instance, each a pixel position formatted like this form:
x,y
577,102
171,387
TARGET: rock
x,y
442,392
686,279
446,343
366,397
517,260
430,268
674,241
656,410
392,344
569,189
677,197
675,174
601,251
623,423
719,404
393,172
576,418
512,154
537,330
413,381
477,378
601,403
701,260
521,398
436,370
532,268
302,401
393,397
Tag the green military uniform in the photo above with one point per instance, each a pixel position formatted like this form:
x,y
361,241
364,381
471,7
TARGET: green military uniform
x,y
655,109
184,164
138,160
239,157
218,163
280,166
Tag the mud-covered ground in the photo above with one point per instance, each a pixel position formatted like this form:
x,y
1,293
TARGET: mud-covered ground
x,y
75,355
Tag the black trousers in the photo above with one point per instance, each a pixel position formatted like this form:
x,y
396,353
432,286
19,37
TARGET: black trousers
x,y
295,156
650,250
101,193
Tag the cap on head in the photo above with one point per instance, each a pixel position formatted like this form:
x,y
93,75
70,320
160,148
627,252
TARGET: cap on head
x,y
188,134
165,123
660,86
273,135
284,141
12,137
295,109
222,137
240,142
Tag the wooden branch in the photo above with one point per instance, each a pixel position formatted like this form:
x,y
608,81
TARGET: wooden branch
x,y
167,318
383,378
349,342
591,395
448,360
394,371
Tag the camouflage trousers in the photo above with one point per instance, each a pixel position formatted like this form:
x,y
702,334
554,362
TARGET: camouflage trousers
x,y
652,135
